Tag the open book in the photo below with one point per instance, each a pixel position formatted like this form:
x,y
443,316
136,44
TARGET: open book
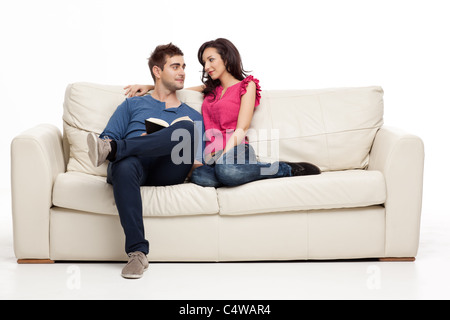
x,y
155,124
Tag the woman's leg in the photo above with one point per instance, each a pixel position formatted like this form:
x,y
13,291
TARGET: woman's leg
x,y
240,166
205,176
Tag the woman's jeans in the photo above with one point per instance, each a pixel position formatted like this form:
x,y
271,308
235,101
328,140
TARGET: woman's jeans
x,y
236,167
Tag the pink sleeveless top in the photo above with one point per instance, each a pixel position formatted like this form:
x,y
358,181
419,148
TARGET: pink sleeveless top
x,y
220,114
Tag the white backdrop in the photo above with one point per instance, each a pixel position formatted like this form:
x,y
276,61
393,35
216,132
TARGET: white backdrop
x,y
401,45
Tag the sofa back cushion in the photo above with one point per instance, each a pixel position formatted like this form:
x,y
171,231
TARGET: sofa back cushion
x,y
333,128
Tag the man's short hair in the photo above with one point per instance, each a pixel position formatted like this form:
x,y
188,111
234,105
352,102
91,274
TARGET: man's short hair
x,y
159,56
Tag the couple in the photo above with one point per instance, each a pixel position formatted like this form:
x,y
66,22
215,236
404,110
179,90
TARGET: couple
x,y
137,159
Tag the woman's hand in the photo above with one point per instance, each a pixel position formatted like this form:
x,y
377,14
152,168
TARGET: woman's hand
x,y
137,90
212,157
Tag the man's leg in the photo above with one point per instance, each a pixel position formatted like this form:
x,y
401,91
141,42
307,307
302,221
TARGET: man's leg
x,y
139,158
173,168
158,144
126,177
165,172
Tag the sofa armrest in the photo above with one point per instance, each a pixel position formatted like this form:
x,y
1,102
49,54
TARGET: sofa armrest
x,y
400,157
36,159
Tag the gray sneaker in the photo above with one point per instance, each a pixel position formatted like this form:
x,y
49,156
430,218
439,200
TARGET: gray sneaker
x,y
137,264
99,149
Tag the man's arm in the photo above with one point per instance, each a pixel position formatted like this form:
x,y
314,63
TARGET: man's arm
x,y
197,88
137,90
118,123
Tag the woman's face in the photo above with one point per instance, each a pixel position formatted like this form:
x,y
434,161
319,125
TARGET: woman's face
x,y
214,65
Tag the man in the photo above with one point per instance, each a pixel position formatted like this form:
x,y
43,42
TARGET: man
x,y
137,159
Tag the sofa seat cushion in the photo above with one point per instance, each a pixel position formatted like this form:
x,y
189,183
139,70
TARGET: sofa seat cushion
x,y
86,192
329,190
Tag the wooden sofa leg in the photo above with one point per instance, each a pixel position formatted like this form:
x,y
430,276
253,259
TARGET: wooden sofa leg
x,y
411,259
35,261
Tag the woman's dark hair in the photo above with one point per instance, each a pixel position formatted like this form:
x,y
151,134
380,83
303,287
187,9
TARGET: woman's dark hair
x,y
159,56
230,56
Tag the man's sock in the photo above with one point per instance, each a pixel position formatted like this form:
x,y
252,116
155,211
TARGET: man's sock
x,y
112,155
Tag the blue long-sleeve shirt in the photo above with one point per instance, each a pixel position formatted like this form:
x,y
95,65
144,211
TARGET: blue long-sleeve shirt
x,y
128,120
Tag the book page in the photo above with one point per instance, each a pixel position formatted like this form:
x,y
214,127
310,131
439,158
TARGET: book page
x,y
161,122
185,118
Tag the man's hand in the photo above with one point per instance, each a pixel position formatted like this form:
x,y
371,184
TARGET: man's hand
x,y
137,90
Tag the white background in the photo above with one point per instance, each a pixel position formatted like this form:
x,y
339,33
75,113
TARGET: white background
x,y
401,45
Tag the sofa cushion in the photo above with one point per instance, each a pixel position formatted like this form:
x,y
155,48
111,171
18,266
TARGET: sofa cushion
x,y
332,128
329,190
87,108
89,193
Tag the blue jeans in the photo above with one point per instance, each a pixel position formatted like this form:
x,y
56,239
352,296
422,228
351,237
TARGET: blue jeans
x,y
145,161
236,167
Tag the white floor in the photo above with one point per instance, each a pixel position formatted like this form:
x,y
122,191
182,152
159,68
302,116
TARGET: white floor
x,y
426,278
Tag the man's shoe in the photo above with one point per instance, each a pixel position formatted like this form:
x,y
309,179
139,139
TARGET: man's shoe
x,y
99,149
303,169
137,264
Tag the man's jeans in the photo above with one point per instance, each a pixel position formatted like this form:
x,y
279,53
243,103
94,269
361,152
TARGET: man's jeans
x,y
236,167
147,161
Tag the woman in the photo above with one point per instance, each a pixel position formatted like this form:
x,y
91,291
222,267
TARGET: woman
x,y
230,98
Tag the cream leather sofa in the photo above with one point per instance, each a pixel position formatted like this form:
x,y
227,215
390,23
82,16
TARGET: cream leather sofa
x,y
365,204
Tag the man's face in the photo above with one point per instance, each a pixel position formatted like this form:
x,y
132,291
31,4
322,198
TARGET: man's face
x,y
172,77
